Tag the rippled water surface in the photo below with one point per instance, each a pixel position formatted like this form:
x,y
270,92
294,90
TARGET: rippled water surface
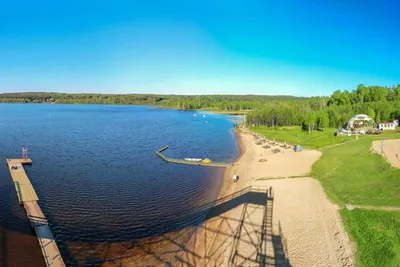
x,y
98,178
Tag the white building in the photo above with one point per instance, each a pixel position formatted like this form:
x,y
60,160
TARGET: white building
x,y
387,125
360,121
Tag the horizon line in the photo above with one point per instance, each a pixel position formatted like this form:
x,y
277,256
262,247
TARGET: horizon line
x,y
156,94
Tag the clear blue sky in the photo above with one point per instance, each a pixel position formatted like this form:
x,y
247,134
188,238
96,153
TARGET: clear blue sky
x,y
293,47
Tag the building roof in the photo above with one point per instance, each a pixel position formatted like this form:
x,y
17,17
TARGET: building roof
x,y
358,117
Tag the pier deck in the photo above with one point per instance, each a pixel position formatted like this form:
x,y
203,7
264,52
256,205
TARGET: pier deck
x,y
194,163
23,186
27,196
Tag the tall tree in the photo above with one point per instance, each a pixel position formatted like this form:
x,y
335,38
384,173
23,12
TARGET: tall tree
x,y
323,120
378,117
371,112
310,120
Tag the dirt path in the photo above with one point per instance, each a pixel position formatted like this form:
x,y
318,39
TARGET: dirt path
x,y
390,149
368,207
310,224
340,144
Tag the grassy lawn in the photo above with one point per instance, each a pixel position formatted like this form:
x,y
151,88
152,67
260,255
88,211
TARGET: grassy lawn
x,y
377,235
352,174
295,135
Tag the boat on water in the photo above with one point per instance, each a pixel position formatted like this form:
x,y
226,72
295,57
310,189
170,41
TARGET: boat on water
x,y
193,159
206,160
194,115
204,116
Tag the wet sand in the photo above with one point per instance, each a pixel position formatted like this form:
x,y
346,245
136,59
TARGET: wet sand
x,y
19,249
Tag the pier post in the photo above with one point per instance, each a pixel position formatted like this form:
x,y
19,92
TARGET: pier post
x,y
24,152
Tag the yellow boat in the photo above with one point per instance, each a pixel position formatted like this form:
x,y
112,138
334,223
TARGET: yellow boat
x,y
206,160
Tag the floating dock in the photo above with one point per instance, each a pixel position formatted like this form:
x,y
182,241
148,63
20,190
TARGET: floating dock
x,y
195,163
28,198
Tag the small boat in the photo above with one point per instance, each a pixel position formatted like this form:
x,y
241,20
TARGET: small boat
x,y
204,116
194,115
206,160
192,159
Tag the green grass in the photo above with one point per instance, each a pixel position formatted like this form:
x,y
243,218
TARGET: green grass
x,y
295,135
350,173
377,235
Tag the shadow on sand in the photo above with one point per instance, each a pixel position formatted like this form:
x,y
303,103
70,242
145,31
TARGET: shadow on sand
x,y
245,240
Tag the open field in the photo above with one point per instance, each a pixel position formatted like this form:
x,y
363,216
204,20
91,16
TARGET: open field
x,y
295,135
351,173
377,235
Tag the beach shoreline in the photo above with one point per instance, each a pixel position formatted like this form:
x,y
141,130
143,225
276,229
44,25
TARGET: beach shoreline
x,y
228,172
306,222
299,225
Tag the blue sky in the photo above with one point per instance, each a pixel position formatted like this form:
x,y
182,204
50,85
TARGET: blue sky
x,y
295,47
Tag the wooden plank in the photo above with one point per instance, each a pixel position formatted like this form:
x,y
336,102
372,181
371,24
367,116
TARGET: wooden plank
x,y
46,240
19,161
27,196
23,186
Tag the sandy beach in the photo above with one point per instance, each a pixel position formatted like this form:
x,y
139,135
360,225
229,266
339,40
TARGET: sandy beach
x,y
390,149
276,222
266,218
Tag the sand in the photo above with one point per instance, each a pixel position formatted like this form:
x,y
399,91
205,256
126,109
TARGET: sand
x,y
391,150
292,225
269,222
310,223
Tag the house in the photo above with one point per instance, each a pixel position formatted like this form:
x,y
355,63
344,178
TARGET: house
x,y
387,125
396,122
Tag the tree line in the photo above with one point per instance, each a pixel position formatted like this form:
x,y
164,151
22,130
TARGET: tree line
x,y
214,102
379,102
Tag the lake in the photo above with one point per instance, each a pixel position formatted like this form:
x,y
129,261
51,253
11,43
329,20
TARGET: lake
x,y
98,179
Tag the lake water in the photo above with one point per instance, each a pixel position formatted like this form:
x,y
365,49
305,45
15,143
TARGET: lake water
x,y
98,178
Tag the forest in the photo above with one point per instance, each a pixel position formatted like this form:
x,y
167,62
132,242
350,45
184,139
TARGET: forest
x,y
380,102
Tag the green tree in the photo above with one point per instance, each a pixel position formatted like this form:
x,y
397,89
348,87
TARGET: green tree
x,y
323,121
371,112
310,121
378,117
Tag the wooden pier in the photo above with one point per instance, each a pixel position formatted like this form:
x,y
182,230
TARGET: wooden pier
x,y
194,163
28,198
